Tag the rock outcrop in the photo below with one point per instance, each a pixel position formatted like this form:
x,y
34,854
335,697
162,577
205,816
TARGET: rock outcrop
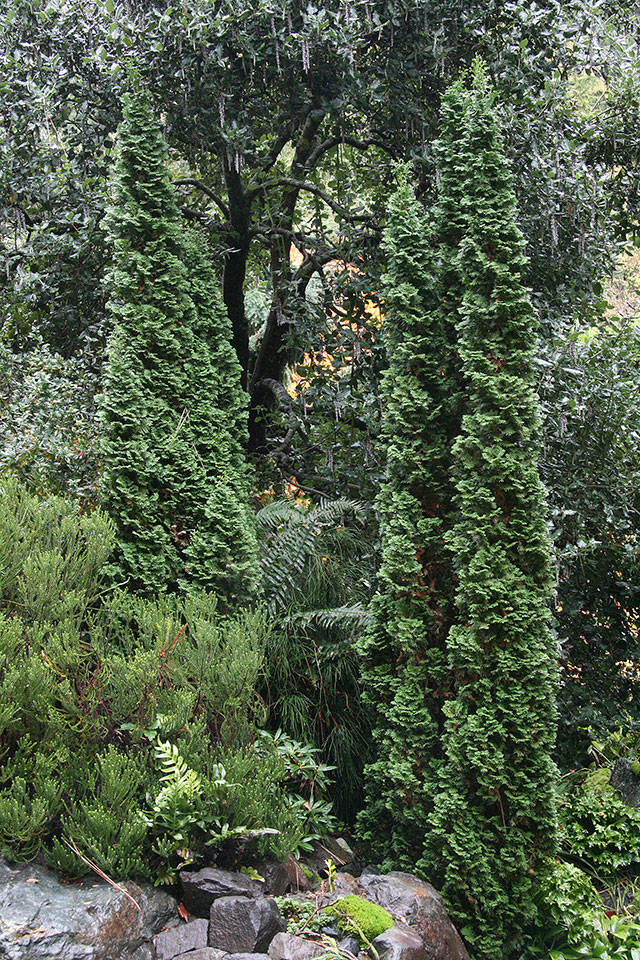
x,y
230,917
43,919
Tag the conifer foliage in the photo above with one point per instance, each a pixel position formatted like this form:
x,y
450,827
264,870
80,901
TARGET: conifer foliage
x,y
495,814
173,411
403,652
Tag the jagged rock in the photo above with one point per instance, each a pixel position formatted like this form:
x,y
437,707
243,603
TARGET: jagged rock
x,y
344,885
203,953
626,782
286,946
420,906
244,925
399,943
42,919
247,956
333,848
177,940
281,878
350,944
202,888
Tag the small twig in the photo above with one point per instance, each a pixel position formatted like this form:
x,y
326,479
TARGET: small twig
x,y
101,874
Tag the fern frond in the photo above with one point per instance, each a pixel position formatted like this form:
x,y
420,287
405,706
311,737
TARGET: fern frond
x,y
294,535
355,614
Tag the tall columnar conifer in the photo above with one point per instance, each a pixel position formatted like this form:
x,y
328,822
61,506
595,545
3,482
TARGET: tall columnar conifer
x,y
222,553
174,414
403,653
495,815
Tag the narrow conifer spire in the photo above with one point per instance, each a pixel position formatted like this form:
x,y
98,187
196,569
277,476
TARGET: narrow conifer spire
x,y
403,653
174,414
495,812
222,553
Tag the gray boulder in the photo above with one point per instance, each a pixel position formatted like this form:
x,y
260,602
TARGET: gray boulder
x,y
244,925
286,946
188,936
203,953
350,944
280,878
332,848
420,906
202,887
42,919
399,943
626,782
247,956
344,885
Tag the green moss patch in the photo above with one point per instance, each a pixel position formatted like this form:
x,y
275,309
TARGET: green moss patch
x,y
359,917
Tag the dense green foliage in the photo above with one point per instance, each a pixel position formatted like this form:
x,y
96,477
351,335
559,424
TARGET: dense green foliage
x,y
173,412
404,668
47,421
591,467
286,136
116,735
495,816
233,266
315,565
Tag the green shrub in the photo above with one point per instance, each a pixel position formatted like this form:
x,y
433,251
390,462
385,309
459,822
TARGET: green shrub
x,y
495,816
573,923
128,728
598,830
360,918
404,669
51,555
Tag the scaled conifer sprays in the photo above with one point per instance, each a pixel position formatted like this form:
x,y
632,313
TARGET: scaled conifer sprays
x,y
173,410
405,677
495,812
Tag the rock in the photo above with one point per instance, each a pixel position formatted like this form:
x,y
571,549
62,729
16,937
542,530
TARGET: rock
x,y
277,881
333,848
286,946
177,940
203,953
626,782
331,931
281,878
421,907
399,943
42,919
350,944
244,925
145,952
247,956
344,885
201,888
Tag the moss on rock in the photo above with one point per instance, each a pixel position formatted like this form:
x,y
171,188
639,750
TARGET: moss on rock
x,y
359,917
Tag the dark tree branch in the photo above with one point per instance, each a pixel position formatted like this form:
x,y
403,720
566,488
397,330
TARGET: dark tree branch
x,y
337,141
191,182
298,185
